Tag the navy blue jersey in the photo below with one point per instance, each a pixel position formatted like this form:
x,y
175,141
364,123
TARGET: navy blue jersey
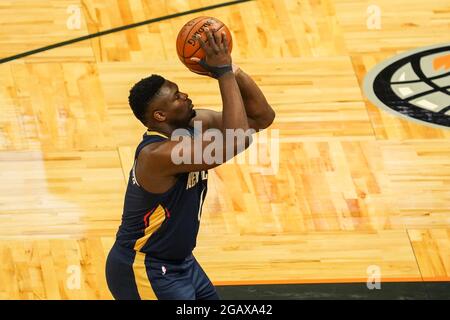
x,y
164,226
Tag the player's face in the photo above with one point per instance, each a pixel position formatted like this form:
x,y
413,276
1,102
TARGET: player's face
x,y
174,105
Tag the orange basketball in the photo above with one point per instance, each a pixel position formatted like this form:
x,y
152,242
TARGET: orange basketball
x,y
188,47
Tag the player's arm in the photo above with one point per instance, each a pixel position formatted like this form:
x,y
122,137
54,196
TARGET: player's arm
x,y
191,154
258,110
260,114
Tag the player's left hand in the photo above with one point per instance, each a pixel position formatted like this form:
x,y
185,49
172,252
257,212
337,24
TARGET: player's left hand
x,y
236,69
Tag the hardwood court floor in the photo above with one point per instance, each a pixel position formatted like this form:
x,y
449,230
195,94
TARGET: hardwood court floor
x,y
355,186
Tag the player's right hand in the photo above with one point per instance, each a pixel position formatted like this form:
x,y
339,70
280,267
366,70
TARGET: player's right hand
x,y
216,49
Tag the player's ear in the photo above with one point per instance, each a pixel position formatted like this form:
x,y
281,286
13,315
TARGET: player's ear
x,y
159,116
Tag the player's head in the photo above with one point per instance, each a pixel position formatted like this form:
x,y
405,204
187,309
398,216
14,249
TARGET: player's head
x,y
155,100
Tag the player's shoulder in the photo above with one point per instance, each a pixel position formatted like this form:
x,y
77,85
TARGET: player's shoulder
x,y
150,150
161,149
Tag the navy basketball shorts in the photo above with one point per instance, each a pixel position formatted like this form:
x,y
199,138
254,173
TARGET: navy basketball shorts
x,y
134,275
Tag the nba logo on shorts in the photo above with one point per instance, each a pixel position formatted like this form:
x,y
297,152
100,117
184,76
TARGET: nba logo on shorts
x,y
164,270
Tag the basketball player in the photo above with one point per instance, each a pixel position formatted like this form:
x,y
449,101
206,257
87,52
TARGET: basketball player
x,y
152,256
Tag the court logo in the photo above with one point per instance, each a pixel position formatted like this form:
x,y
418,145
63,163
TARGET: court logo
x,y
414,85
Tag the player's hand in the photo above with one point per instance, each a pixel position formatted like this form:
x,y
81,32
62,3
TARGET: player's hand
x,y
216,51
236,69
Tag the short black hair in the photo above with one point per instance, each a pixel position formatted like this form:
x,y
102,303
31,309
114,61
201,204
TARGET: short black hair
x,y
141,94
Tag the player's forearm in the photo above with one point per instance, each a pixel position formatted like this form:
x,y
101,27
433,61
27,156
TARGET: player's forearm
x,y
233,114
233,117
255,103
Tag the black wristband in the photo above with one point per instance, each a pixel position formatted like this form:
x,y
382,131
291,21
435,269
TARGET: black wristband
x,y
216,72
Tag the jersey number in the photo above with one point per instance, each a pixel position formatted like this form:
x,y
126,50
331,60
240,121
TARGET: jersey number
x,y
201,204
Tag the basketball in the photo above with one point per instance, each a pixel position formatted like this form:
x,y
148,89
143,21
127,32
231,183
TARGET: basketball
x,y
188,47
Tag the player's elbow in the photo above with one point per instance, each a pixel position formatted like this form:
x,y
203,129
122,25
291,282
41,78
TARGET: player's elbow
x,y
266,120
270,118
